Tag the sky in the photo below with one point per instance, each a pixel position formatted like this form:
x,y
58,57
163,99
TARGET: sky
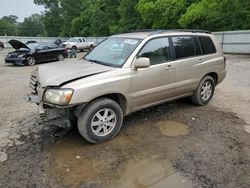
x,y
20,8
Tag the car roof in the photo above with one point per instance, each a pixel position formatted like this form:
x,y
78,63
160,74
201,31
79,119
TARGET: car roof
x,y
142,34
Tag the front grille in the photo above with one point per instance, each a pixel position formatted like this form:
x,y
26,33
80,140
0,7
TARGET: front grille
x,y
34,84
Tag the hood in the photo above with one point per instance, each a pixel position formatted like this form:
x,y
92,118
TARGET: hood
x,y
17,44
60,73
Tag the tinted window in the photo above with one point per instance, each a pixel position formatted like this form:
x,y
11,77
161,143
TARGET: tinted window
x,y
207,45
157,50
197,46
52,46
184,47
42,47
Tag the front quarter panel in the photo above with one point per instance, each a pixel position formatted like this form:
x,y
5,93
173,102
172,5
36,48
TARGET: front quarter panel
x,y
115,81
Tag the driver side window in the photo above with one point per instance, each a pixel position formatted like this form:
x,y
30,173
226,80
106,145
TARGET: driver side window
x,y
157,50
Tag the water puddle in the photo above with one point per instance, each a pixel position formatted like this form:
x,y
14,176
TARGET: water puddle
x,y
68,163
172,128
74,161
150,174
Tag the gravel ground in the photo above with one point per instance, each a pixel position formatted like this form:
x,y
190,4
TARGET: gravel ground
x,y
172,145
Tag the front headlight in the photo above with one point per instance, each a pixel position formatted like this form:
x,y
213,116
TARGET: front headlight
x,y
58,96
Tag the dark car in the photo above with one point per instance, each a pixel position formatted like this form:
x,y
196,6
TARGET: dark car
x,y
31,41
34,53
1,45
58,42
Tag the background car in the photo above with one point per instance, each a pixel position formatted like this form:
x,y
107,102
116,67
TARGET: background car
x,y
34,53
31,41
1,45
58,42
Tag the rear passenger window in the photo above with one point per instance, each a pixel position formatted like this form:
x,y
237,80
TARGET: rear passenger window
x,y
184,47
207,45
157,50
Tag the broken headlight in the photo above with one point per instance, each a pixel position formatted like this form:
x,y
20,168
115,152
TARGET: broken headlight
x,y
58,96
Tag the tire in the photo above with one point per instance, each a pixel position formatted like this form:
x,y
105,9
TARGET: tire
x,y
91,48
31,61
1,48
94,124
204,92
60,57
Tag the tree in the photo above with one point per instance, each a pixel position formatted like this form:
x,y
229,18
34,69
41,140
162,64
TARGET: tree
x,y
8,25
217,15
32,26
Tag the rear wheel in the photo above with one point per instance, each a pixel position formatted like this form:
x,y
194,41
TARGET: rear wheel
x,y
31,61
204,91
60,57
100,121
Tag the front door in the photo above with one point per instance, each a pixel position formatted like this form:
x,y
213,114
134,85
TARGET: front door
x,y
154,84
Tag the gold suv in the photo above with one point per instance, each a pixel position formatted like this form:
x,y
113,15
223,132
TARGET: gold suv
x,y
125,73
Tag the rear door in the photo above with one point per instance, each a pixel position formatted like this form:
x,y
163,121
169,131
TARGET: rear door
x,y
190,61
153,84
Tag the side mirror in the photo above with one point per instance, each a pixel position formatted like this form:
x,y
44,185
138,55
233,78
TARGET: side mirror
x,y
142,62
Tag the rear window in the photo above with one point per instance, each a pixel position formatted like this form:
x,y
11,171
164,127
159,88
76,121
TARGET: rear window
x,y
207,45
184,46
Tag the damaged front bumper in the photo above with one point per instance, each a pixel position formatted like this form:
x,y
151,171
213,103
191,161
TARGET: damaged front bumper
x,y
62,117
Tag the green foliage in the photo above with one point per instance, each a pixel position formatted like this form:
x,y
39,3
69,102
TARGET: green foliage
x,y
32,26
8,25
106,17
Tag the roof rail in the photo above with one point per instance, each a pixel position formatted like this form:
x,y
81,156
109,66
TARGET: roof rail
x,y
158,31
191,30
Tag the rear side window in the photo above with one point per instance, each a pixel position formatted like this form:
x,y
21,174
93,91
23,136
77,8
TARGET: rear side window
x,y
207,45
157,50
184,46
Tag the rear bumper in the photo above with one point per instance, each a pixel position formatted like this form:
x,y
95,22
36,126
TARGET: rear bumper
x,y
16,61
221,76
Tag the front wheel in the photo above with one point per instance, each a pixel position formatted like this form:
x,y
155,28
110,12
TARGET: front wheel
x,y
60,57
31,61
100,121
204,91
91,48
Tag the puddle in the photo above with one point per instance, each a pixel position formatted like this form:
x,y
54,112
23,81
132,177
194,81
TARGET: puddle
x,y
150,174
173,128
68,163
74,161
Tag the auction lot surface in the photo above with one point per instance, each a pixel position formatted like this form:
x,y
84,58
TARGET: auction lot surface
x,y
172,145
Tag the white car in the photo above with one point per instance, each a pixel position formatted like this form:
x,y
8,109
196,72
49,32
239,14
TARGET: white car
x,y
78,43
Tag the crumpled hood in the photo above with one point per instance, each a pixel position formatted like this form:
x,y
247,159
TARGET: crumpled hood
x,y
18,44
57,74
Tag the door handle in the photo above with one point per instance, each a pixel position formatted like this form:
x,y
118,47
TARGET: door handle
x,y
169,67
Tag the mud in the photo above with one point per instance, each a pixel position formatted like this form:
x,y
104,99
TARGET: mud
x,y
172,145
172,128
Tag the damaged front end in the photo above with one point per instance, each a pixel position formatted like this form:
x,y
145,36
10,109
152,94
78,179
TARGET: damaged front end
x,y
59,115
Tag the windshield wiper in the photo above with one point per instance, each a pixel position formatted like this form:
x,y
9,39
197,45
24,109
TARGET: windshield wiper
x,y
98,62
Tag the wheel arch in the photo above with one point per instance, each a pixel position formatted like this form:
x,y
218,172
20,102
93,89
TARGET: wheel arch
x,y
119,98
214,75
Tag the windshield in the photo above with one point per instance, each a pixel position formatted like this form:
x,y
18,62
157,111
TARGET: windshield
x,y
32,46
113,52
73,40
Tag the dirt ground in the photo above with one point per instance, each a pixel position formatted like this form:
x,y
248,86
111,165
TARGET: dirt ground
x,y
174,145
